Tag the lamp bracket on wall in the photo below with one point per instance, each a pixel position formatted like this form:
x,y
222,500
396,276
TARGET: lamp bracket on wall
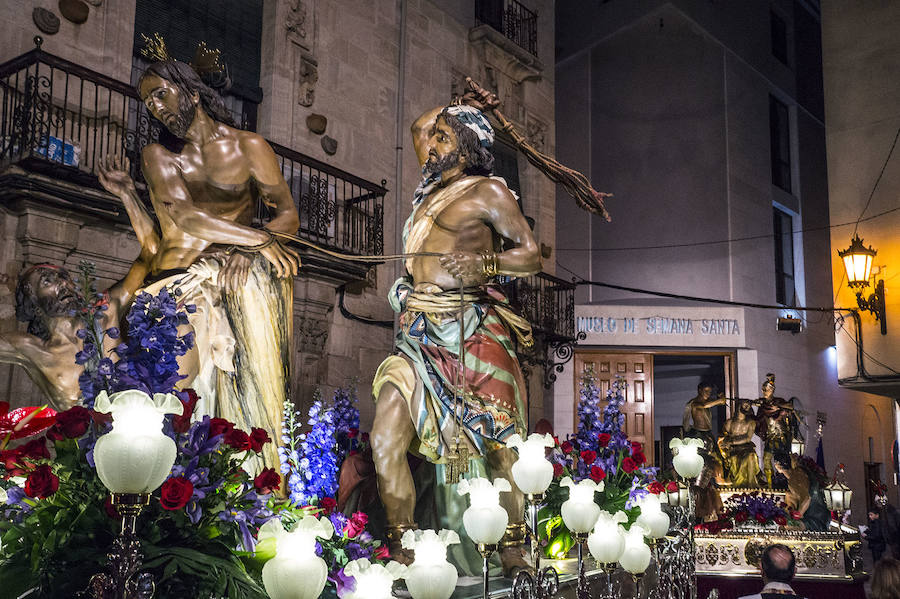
x,y
874,304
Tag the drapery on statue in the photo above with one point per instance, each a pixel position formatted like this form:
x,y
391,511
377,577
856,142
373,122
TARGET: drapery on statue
x,y
239,277
462,212
44,296
736,444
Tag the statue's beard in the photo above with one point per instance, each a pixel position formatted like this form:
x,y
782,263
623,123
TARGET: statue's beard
x,y
436,165
179,122
61,305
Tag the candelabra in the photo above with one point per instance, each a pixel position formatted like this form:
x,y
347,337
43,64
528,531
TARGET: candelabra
x,y
677,578
123,579
544,584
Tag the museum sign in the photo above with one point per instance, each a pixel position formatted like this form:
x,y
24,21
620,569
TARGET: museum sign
x,y
661,326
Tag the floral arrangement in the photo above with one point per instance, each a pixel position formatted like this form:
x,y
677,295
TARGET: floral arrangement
x,y
600,451
311,464
754,510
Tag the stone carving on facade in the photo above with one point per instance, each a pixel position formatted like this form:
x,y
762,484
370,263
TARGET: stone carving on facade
x,y
311,334
536,132
295,22
307,77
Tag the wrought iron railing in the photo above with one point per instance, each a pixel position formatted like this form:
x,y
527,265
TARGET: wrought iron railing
x,y
547,302
61,119
512,19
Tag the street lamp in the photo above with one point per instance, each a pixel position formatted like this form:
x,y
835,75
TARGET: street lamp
x,y
858,266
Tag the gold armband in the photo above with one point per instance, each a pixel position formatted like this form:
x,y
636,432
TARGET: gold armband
x,y
489,264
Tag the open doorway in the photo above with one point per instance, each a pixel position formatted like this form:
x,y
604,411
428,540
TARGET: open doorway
x,y
675,381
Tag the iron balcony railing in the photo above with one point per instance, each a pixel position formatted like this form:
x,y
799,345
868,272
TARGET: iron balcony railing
x,y
547,302
512,19
60,119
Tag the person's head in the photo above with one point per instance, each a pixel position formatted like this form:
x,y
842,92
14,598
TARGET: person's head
x,y
44,291
778,563
704,390
462,136
886,579
172,92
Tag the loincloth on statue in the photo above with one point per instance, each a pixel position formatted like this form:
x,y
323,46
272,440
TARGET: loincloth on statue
x,y
242,341
743,465
426,371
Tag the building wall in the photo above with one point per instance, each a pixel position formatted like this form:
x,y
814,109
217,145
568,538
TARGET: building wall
x,y
675,97
355,49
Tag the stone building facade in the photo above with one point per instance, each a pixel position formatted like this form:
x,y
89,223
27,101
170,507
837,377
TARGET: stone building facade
x,y
368,68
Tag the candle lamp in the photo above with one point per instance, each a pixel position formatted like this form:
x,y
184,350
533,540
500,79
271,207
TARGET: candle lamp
x,y
430,576
838,494
485,520
296,572
606,543
636,555
373,581
533,473
132,461
580,513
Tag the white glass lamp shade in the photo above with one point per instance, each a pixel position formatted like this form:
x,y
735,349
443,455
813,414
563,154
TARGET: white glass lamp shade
x,y
652,518
688,463
798,447
532,472
857,262
679,497
135,456
373,581
485,521
636,555
296,572
607,541
580,511
431,576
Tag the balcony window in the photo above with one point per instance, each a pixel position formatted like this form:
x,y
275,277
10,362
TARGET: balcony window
x,y
512,19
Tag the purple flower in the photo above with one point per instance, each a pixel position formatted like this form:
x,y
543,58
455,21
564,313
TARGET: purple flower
x,y
343,583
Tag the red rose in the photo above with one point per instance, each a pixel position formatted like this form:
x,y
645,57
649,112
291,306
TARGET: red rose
x,y
628,465
328,504
34,449
237,439
566,447
258,438
639,458
111,510
636,447
219,426
267,481
356,524
181,424
73,423
780,520
671,486
597,474
656,487
383,553
352,433
796,515
603,439
588,457
557,470
741,517
41,483
175,493
760,518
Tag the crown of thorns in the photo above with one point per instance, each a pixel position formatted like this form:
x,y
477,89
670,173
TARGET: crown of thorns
x,y
206,61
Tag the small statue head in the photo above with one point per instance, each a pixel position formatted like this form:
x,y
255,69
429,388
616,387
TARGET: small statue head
x,y
173,92
462,136
768,387
704,390
44,291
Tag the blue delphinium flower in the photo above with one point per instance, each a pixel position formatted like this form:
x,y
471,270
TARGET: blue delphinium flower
x,y
589,422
